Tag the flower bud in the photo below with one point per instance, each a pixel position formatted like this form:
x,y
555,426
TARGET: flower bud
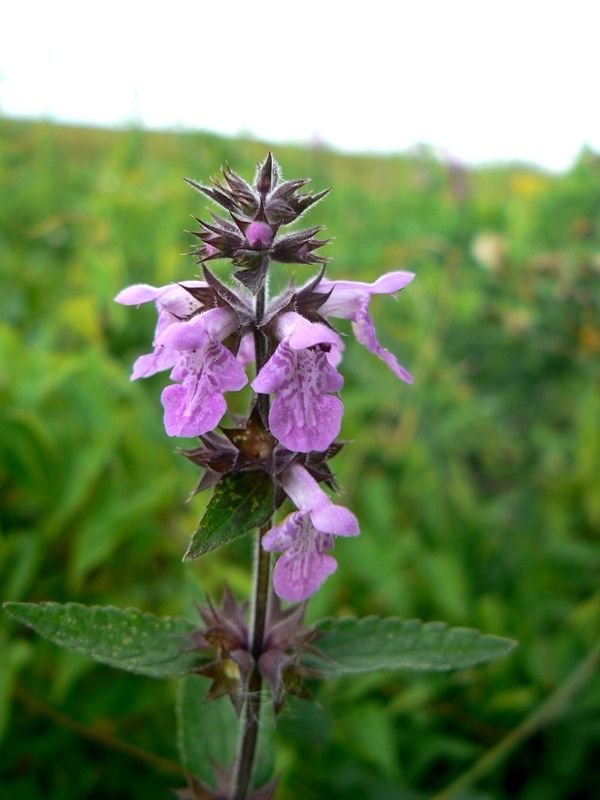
x,y
259,234
267,175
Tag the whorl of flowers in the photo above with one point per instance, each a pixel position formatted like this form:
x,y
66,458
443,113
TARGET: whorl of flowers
x,y
210,335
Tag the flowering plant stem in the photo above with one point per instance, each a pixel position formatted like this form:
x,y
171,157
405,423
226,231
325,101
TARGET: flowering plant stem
x,y
251,712
250,716
205,334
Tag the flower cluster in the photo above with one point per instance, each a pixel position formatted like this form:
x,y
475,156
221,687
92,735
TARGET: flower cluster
x,y
211,335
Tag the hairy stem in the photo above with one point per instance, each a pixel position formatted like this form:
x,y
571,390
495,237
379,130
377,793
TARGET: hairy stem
x,y
250,716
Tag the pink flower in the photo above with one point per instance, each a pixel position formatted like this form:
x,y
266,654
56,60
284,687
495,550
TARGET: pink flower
x,y
304,415
205,369
305,535
350,300
173,303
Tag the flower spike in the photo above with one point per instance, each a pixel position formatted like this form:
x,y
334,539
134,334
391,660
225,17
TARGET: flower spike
x,y
216,335
209,333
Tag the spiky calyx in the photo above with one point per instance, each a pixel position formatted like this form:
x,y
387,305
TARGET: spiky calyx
x,y
250,238
250,447
225,636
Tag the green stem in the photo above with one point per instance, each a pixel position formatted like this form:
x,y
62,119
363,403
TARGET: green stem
x,y
250,716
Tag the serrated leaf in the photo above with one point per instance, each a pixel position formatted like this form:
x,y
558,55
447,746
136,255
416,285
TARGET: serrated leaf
x,y
208,732
354,646
124,638
240,502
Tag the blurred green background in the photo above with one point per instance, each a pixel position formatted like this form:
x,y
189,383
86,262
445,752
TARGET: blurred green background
x,y
476,489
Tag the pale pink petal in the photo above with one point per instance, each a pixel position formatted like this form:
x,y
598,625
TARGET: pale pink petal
x,y
220,323
392,282
386,284
273,374
347,296
172,303
302,489
191,410
190,335
306,494
172,297
217,323
299,332
196,405
364,330
138,293
281,536
296,578
334,356
304,429
177,301
303,415
304,565
151,363
332,518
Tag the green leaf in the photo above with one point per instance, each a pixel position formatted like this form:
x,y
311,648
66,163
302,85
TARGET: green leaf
x,y
124,638
208,732
239,503
354,646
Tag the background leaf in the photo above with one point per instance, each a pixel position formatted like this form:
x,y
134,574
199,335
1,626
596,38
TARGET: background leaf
x,y
124,638
239,503
208,731
355,646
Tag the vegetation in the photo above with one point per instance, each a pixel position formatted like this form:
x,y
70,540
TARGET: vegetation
x,y
476,488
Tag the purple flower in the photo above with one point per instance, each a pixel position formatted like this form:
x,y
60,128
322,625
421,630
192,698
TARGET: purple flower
x,y
205,369
350,300
304,415
305,535
172,303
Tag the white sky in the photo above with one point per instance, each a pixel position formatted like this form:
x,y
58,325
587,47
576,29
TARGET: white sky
x,y
483,81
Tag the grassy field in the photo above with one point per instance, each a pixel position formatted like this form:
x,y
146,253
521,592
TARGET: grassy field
x,y
477,488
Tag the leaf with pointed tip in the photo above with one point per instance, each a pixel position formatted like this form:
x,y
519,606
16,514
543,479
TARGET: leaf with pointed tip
x,y
240,502
124,638
355,646
207,732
